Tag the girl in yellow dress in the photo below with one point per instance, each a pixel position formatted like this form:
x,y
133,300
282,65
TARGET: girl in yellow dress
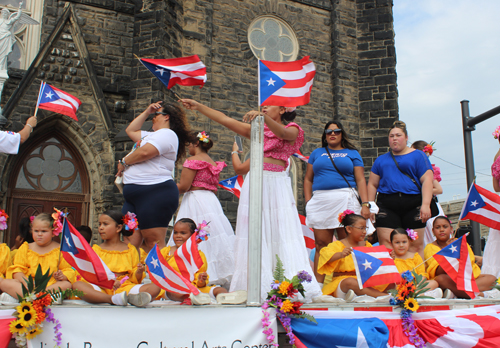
x,y
5,259
336,260
43,251
406,260
183,229
442,230
123,260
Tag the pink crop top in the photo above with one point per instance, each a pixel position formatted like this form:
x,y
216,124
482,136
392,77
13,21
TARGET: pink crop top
x,y
281,149
207,175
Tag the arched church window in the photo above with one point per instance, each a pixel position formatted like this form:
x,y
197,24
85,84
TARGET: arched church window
x,y
271,38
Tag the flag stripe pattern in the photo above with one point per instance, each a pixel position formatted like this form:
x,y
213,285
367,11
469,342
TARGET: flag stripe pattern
x,y
233,185
80,255
375,266
482,206
56,100
299,155
188,258
185,71
164,276
286,83
308,234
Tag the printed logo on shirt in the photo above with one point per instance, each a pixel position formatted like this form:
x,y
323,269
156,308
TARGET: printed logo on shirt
x,y
334,155
11,133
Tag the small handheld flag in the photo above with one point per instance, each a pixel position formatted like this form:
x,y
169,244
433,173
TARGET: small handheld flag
x,y
482,206
285,83
53,99
233,184
185,71
374,266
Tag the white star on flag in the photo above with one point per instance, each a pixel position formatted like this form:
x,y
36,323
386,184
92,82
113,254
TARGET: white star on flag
x,y
367,264
49,95
270,81
67,241
360,342
155,262
161,71
474,203
453,248
229,182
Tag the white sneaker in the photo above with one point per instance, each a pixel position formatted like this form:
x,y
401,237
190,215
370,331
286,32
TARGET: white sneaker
x,y
6,298
436,293
350,296
383,299
141,299
200,299
235,297
327,299
449,295
493,293
120,299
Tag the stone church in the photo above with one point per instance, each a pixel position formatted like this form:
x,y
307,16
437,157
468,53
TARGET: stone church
x,y
89,48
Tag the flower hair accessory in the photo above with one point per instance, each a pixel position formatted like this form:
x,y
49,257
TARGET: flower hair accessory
x,y
290,108
201,232
57,226
412,234
429,148
202,136
344,214
3,219
496,133
130,221
32,217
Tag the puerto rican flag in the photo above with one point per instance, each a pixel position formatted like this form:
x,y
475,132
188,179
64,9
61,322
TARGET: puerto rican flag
x,y
188,258
465,328
185,71
53,99
80,255
308,235
299,155
374,266
165,276
482,206
233,184
285,83
454,260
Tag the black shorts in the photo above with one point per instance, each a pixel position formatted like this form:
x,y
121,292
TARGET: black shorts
x,y
154,205
401,210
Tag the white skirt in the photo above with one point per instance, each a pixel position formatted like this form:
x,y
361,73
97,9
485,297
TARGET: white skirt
x,y
428,235
491,256
200,205
323,209
281,235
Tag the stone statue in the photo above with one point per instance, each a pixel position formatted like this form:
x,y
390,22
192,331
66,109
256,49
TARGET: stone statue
x,y
7,39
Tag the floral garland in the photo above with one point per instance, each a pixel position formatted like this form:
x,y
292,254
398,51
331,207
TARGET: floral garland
x,y
410,288
412,234
201,232
283,290
344,214
203,137
130,221
3,219
496,133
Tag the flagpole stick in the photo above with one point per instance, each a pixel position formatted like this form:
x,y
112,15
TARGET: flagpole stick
x,y
60,245
38,100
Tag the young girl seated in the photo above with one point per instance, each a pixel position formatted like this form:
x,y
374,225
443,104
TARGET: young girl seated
x,y
123,260
442,230
183,229
43,251
336,259
411,261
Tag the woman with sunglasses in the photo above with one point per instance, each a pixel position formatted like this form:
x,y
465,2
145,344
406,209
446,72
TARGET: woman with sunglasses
x,y
281,229
149,189
333,174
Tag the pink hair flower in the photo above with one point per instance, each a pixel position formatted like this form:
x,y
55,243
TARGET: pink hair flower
x,y
58,217
412,234
201,232
3,219
202,136
496,133
130,221
344,214
429,148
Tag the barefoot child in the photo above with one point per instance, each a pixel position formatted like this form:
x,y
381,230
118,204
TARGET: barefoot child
x,y
43,251
442,230
406,260
123,260
336,259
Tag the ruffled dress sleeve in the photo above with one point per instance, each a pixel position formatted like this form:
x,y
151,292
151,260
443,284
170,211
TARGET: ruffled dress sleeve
x,y
345,264
20,263
431,264
5,260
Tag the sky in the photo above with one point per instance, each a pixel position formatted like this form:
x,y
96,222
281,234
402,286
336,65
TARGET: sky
x,y
448,51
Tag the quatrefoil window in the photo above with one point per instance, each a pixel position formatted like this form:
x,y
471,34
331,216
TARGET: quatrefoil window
x,y
272,39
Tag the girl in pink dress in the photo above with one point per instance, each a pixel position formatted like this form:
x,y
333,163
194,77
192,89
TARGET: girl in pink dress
x,y
198,183
281,229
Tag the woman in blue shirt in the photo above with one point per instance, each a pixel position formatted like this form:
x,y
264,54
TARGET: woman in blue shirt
x,y
404,193
329,192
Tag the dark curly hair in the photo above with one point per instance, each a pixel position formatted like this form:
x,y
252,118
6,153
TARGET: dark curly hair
x,y
190,222
398,230
118,218
344,142
288,116
350,219
25,230
180,126
204,146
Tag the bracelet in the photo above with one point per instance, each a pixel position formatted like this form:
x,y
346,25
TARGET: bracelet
x,y
232,153
30,127
122,161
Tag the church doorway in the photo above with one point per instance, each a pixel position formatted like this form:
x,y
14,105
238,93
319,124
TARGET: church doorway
x,y
51,173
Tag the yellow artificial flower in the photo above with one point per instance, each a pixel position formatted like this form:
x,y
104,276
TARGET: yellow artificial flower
x,y
411,304
28,318
16,326
287,306
34,332
284,288
24,307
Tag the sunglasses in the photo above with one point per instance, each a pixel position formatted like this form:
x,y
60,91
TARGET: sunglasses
x,y
160,113
334,131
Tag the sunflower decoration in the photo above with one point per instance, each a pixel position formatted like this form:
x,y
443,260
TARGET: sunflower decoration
x,y
27,318
16,327
411,304
34,332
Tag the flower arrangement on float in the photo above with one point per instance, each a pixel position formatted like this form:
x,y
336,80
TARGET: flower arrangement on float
x,y
411,288
281,296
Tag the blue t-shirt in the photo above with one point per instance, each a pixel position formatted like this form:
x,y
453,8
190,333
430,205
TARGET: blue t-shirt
x,y
326,176
415,164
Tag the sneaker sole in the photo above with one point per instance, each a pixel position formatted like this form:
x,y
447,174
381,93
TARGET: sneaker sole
x,y
200,299
235,297
141,299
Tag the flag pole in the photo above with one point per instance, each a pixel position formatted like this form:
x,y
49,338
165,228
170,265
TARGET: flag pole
x,y
42,86
465,235
60,244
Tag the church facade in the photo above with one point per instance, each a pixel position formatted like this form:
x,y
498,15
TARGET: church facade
x,y
89,48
